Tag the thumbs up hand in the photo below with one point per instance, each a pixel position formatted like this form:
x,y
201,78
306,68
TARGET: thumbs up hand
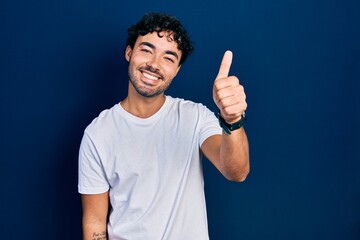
x,y
229,96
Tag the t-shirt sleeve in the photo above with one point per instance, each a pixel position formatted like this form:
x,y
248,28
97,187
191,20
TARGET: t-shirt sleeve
x,y
92,178
209,124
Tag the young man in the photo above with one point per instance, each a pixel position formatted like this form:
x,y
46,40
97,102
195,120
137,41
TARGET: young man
x,y
144,154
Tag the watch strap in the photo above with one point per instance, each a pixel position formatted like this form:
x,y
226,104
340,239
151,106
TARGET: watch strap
x,y
227,127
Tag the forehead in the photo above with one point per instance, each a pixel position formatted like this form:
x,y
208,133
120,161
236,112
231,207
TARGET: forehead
x,y
163,41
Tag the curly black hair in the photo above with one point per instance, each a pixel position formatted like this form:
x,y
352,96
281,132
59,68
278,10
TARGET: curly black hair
x,y
160,22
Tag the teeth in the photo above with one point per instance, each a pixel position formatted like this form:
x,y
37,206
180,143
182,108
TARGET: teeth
x,y
150,76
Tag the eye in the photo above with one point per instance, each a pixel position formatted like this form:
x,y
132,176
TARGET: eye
x,y
169,59
145,50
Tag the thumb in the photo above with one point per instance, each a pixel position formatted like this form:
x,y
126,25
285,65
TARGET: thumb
x,y
225,65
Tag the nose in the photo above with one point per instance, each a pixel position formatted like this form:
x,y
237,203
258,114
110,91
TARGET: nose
x,y
153,63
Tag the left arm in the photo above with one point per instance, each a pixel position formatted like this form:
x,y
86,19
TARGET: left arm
x,y
229,153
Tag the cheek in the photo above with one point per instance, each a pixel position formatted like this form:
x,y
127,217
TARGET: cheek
x,y
171,71
137,58
134,64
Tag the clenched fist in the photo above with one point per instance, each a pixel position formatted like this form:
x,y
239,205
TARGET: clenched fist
x,y
229,96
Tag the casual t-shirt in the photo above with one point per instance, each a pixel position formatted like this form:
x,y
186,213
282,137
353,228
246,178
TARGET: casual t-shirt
x,y
152,169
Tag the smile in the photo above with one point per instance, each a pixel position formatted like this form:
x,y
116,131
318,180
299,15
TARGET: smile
x,y
151,77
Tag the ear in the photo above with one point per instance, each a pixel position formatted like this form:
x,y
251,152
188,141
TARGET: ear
x,y
128,52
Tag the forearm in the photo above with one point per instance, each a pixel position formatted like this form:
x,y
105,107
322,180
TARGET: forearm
x,y
234,155
94,230
94,220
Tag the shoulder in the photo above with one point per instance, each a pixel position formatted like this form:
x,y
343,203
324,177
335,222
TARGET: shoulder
x,y
102,122
191,112
186,105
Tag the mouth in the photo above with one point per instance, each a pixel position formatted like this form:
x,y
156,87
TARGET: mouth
x,y
150,78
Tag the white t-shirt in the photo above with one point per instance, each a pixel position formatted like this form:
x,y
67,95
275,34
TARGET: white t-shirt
x,y
152,169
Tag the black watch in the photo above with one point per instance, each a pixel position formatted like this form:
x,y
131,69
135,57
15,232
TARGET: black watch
x,y
228,128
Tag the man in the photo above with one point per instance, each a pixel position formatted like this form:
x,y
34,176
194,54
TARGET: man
x,y
144,154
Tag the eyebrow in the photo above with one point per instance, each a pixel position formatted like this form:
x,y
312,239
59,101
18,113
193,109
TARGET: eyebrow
x,y
152,46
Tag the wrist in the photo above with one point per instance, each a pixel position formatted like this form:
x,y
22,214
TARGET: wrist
x,y
232,125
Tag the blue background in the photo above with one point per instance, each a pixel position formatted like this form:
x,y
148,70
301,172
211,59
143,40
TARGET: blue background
x,y
299,61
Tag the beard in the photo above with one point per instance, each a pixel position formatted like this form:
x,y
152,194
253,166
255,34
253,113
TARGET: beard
x,y
144,89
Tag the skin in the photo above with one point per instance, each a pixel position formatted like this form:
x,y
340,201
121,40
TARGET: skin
x,y
95,209
153,63
229,153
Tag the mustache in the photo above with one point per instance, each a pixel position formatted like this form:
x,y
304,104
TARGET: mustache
x,y
152,70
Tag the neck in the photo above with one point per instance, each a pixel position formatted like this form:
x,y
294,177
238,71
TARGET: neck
x,y
143,107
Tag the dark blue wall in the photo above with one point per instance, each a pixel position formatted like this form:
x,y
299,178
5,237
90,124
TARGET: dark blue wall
x,y
299,60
